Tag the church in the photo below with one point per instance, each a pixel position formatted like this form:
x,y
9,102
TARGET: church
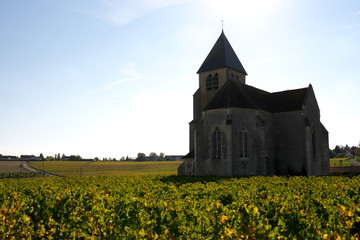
x,y
240,130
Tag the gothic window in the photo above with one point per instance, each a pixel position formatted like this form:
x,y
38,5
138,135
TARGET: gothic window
x,y
216,81
209,82
244,153
216,144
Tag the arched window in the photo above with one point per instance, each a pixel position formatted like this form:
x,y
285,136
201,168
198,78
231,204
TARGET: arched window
x,y
212,82
209,82
216,144
243,140
216,81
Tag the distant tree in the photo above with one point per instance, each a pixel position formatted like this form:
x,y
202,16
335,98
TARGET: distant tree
x,y
141,157
337,149
153,156
75,158
162,156
357,151
96,159
346,148
127,158
49,158
41,156
332,153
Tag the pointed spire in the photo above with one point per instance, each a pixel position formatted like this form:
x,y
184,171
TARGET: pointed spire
x,y
222,55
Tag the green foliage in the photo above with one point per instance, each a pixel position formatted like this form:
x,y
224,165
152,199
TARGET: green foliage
x,y
152,157
19,174
75,158
340,162
341,151
107,168
180,208
332,153
141,157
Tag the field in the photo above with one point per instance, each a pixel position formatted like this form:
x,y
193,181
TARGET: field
x,y
13,169
111,168
340,162
175,207
11,166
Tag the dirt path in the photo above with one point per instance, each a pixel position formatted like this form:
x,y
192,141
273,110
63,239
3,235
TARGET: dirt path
x,y
354,162
26,166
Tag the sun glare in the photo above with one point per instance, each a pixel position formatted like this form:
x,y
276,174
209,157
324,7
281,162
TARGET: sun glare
x,y
248,13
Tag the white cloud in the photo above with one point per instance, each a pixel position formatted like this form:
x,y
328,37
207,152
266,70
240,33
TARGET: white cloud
x,y
125,11
129,75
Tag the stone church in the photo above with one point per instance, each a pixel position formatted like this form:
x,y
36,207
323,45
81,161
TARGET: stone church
x,y
240,130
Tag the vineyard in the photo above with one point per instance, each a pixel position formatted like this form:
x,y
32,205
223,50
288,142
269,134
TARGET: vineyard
x,y
173,207
110,168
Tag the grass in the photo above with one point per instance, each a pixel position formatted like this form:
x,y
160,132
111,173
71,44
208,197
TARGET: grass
x,y
81,168
340,162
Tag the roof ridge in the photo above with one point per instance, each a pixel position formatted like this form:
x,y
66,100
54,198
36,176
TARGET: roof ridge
x,y
290,90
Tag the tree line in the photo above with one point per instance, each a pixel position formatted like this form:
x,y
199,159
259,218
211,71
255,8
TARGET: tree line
x,y
341,151
140,157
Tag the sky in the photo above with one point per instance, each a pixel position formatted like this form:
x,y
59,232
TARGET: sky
x,y
107,78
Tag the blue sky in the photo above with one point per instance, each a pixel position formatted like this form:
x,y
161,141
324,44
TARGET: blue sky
x,y
106,78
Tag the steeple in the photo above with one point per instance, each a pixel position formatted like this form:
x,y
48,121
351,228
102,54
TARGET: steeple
x,y
222,55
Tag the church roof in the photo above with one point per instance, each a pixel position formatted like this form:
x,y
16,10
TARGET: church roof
x,y
222,55
286,101
239,95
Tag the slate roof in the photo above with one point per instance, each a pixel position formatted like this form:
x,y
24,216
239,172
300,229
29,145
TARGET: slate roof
x,y
222,55
286,101
239,95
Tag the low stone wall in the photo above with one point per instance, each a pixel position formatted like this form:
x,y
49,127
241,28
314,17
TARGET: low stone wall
x,y
345,170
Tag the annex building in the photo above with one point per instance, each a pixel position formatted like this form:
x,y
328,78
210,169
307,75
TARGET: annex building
x,y
240,130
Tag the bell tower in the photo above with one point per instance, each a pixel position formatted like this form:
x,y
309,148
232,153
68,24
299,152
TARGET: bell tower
x,y
220,65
